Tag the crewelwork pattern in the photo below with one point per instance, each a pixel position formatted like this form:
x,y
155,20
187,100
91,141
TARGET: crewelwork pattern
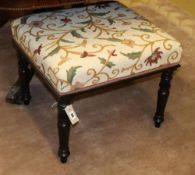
x,y
82,47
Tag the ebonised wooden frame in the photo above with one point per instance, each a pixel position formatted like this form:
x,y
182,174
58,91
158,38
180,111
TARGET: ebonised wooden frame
x,y
20,94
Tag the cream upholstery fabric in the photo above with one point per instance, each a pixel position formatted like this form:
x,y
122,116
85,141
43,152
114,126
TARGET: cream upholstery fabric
x,y
84,47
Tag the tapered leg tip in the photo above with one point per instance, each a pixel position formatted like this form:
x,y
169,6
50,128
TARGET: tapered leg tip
x,y
158,120
63,159
157,125
26,99
63,155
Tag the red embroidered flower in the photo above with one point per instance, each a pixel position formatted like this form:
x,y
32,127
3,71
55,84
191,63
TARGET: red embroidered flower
x,y
66,20
77,85
126,23
101,6
36,24
121,15
154,57
38,50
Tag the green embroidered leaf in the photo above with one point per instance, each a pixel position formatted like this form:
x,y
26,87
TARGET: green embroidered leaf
x,y
112,39
71,73
83,29
117,8
144,29
132,55
75,34
84,22
37,38
147,30
24,19
102,60
53,52
66,41
108,64
99,14
62,25
111,21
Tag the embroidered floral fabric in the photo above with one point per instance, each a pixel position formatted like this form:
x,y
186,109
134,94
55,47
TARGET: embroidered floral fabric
x,y
83,47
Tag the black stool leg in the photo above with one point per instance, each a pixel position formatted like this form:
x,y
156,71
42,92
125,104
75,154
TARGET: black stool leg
x,y
163,94
19,92
63,131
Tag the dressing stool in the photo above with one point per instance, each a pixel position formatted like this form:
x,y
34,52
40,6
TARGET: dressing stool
x,y
82,49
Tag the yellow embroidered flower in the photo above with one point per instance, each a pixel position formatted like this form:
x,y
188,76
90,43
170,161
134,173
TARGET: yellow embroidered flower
x,y
84,43
128,42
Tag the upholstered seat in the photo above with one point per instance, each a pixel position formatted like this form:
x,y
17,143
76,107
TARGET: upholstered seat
x,y
80,48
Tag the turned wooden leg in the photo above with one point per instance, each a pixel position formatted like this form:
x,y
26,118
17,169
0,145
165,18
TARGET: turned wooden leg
x,y
163,94
19,92
63,131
